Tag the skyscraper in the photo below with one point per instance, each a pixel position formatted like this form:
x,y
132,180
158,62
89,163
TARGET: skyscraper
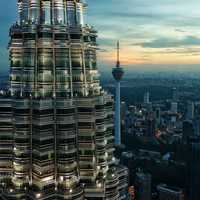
x,y
146,98
190,110
118,73
143,184
62,120
193,167
166,193
188,130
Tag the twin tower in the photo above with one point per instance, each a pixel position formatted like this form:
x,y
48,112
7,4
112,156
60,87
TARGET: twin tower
x,y
56,122
51,12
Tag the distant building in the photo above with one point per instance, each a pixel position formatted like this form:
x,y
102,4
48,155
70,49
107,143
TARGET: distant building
x,y
174,107
130,124
175,94
190,111
188,129
132,109
167,193
151,128
158,116
123,112
194,166
146,98
143,185
196,122
130,119
127,159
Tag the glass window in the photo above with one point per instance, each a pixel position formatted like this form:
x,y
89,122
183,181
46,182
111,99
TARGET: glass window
x,y
45,35
59,15
30,36
75,36
45,59
45,76
46,12
79,11
62,58
16,62
17,36
29,59
71,14
76,56
61,36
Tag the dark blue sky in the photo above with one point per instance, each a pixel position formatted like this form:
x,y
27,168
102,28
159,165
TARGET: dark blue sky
x,y
152,32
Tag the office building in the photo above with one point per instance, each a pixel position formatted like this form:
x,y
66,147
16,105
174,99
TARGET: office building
x,y
188,130
174,107
143,186
168,193
146,98
190,111
193,167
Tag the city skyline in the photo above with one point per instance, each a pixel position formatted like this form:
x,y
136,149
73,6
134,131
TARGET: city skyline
x,y
152,34
68,132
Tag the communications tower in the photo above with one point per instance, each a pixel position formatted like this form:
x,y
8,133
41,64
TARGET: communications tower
x,y
118,73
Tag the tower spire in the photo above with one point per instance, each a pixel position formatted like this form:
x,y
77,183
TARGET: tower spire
x,y
118,56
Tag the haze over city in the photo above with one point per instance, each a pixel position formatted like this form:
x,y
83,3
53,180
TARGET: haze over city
x,y
154,34
130,132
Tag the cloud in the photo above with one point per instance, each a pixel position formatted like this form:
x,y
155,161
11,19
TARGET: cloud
x,y
144,27
170,42
180,30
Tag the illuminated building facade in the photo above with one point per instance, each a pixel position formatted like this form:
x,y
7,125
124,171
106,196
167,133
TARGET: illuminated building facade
x,y
6,136
61,138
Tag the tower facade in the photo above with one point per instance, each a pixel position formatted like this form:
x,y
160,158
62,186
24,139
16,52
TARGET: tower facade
x,y
118,73
62,128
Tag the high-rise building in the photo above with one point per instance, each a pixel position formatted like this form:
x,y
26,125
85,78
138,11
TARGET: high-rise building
x,y
175,95
150,127
123,112
193,167
196,123
188,130
118,73
168,193
158,116
190,110
143,184
61,119
174,107
146,98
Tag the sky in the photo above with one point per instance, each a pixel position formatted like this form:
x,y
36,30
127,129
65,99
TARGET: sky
x,y
153,34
